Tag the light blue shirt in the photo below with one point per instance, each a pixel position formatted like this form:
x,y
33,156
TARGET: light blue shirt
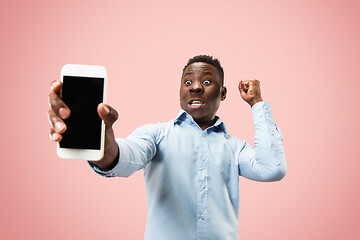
x,y
192,176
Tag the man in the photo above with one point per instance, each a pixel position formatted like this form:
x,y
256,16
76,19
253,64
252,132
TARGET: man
x,y
191,164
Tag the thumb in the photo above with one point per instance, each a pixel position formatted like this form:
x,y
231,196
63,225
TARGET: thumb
x,y
108,114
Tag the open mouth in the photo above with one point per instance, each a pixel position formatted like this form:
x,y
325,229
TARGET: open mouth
x,y
196,103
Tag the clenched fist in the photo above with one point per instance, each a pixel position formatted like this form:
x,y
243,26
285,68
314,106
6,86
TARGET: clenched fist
x,y
250,91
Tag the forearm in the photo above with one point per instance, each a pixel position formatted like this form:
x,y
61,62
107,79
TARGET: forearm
x,y
124,164
134,152
254,101
265,162
110,159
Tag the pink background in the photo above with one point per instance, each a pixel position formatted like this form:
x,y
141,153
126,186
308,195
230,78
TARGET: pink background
x,y
306,54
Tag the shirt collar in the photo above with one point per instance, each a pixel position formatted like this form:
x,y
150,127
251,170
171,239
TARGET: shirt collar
x,y
184,116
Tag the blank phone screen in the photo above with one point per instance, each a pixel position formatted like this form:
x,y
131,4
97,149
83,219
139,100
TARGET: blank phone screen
x,y
82,95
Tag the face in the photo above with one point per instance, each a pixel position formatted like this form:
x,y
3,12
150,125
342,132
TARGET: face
x,y
201,92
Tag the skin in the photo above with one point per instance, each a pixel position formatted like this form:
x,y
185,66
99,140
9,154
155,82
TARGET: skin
x,y
200,82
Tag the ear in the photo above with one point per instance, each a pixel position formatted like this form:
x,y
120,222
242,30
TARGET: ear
x,y
223,93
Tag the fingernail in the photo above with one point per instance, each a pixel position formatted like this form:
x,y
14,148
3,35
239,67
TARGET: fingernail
x,y
55,137
63,112
58,127
53,85
107,110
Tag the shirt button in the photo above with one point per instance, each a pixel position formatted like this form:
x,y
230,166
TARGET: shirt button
x,y
202,217
203,134
272,133
203,186
203,158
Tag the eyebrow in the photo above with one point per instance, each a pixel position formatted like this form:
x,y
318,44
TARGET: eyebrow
x,y
208,73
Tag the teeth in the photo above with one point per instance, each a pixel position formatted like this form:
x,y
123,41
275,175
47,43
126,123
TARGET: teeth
x,y
196,102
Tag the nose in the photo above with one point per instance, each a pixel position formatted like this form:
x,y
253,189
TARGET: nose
x,y
196,88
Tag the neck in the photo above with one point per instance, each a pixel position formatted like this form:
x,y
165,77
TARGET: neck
x,y
205,125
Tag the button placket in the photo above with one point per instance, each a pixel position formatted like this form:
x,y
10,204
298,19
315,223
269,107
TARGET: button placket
x,y
202,194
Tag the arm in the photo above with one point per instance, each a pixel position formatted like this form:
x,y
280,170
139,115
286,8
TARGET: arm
x,y
135,152
265,162
122,157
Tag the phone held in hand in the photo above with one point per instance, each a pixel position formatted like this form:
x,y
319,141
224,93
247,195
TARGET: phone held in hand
x,y
83,89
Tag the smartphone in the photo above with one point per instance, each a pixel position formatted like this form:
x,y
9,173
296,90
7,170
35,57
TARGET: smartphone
x,y
83,89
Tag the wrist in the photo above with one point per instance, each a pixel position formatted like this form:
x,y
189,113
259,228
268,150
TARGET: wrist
x,y
111,163
255,101
110,159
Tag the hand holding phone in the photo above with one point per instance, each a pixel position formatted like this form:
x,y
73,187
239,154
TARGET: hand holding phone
x,y
81,135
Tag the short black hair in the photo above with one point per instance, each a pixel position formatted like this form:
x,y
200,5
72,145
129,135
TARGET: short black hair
x,y
210,60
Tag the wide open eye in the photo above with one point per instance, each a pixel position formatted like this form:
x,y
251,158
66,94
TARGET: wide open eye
x,y
188,82
206,82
